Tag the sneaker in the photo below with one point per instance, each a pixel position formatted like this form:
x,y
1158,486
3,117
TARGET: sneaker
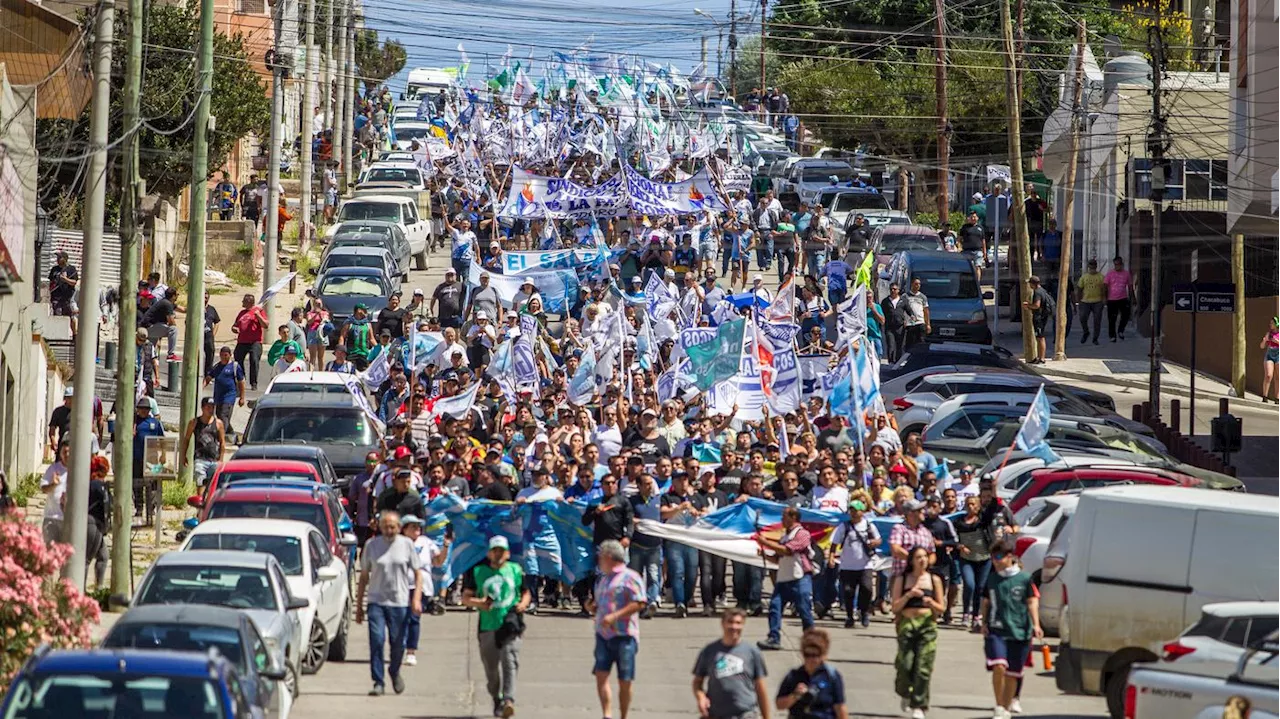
x,y
964,619
708,611
917,713
376,691
1122,337
976,627
681,611
650,610
1015,706
757,610
1000,713
173,357
769,645
849,623
1085,339
946,617
866,620
411,660
497,707
508,708
905,704
397,683
1095,341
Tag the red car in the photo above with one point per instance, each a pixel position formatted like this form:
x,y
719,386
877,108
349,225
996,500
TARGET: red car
x,y
318,507
1045,482
239,470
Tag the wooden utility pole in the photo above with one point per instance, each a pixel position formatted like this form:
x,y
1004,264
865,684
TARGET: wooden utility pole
x,y
1238,338
1156,146
1020,46
1018,235
764,35
1069,201
733,49
940,91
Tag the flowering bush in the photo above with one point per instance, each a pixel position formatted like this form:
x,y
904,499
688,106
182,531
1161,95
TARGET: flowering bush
x,y
36,606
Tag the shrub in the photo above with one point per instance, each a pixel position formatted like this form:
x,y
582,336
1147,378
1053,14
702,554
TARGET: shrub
x,y
36,606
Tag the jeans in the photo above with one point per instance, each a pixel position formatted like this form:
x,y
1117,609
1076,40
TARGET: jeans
x,y
798,593
817,259
764,253
1117,310
786,263
501,665
825,589
726,251
856,586
386,624
648,562
253,351
413,629
1091,310
893,344
748,585
712,577
912,335
974,577
682,561
917,647
158,330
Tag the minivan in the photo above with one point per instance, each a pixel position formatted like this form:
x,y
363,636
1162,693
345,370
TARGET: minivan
x,y
1143,561
949,280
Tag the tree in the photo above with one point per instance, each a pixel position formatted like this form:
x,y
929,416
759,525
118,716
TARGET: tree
x,y
376,62
238,100
747,71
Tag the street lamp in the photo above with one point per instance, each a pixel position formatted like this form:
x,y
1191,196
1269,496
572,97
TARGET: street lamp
x,y
719,39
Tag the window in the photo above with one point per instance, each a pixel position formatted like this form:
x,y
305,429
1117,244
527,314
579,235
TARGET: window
x,y
178,637
149,695
252,7
312,514
1237,632
286,550
236,587
1206,179
1046,511
1261,628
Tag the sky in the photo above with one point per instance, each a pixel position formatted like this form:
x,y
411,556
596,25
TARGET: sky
x,y
664,31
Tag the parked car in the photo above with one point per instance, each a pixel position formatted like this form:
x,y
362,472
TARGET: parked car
x,y
1039,523
406,131
317,383
401,174
809,176
1049,481
237,470
129,683
933,353
950,281
1168,551
297,501
311,569
843,204
332,422
888,240
341,289
401,210
252,583
198,628
1224,632
372,233
376,257
968,433
1204,690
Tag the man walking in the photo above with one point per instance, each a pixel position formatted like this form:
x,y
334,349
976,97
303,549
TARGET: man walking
x,y
682,506
250,325
646,550
227,377
389,571
1093,299
793,584
973,242
728,676
1012,610
916,325
496,588
619,597
211,441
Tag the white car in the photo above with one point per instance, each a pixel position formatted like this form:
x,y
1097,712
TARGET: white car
x,y
398,209
1224,632
406,131
1204,690
1040,522
311,570
310,382
406,175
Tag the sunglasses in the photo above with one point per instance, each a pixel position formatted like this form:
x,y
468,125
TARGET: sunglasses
x,y
812,655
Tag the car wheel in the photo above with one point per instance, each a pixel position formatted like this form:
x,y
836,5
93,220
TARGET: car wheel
x,y
1116,685
420,260
338,647
317,648
291,679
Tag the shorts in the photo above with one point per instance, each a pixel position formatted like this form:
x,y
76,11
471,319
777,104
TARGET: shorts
x,y
1271,355
331,198
1038,326
1008,653
316,337
707,252
618,650
63,307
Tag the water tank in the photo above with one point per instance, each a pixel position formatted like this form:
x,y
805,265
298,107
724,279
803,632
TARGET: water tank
x,y
1129,68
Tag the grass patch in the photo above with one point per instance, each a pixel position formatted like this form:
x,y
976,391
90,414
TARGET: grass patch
x,y
176,493
27,487
242,275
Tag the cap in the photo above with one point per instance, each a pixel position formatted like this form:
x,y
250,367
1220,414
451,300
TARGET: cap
x,y
402,452
913,505
404,471
977,197
635,280
340,348
207,402
292,349
527,281
410,519
670,272
361,306
419,293
899,468
143,402
499,542
648,412
757,278
385,333
482,315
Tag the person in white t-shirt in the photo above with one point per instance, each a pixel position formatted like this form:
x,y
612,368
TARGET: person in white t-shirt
x,y
54,486
541,490
290,362
608,435
430,555
853,546
830,494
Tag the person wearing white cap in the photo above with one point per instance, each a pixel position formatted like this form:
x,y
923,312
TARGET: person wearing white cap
x,y
528,290
446,301
480,340
485,297
759,290
463,252
496,588
418,304
493,258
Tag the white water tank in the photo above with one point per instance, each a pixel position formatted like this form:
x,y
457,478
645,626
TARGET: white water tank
x,y
1128,68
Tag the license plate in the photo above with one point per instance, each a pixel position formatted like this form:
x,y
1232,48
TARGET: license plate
x,y
946,331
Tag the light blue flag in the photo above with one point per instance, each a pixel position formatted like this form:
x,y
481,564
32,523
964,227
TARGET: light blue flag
x,y
582,386
866,373
1035,430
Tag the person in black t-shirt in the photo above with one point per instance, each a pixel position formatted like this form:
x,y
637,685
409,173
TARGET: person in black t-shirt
x,y
60,420
488,487
391,318
646,439
211,321
682,506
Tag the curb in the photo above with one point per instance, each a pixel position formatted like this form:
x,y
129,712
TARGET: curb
x,y
1136,384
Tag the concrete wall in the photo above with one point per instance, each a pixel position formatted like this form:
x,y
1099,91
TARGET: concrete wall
x,y
1213,339
224,243
1255,97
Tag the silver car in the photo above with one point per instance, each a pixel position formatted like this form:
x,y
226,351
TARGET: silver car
x,y
248,581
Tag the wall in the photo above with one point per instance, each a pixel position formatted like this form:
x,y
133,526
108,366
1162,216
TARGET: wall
x,y
1254,102
1213,337
223,246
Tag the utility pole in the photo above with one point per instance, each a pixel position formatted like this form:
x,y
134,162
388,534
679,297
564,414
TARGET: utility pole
x,y
130,192
271,253
1068,203
940,91
308,108
349,85
764,37
1019,239
193,336
704,53
1238,338
341,115
733,48
326,92
76,511
1156,145
1020,45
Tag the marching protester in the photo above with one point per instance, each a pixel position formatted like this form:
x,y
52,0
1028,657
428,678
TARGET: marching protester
x,y
918,598
1011,606
814,689
619,597
391,581
728,675
793,584
496,588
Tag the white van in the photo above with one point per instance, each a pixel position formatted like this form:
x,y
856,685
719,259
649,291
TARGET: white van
x,y
401,210
1143,560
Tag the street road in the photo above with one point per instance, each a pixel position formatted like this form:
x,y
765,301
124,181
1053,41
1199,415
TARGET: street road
x,y
556,680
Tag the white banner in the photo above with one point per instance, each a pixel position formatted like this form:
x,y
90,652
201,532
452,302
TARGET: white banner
x,y
691,196
555,197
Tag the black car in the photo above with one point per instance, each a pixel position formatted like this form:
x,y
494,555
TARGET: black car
x,y
199,628
934,353
312,455
332,422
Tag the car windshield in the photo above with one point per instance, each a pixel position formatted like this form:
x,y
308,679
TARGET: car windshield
x,y
43,696
384,211
352,286
394,174
309,425
412,133
852,201
1070,404
177,637
286,550
312,514
236,587
891,244
336,259
357,230
824,174
942,285
232,477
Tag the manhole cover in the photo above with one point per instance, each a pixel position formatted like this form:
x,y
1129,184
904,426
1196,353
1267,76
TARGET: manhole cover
x,y
1131,367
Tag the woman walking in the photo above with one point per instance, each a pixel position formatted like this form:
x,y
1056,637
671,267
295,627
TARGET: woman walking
x,y
975,560
814,690
318,327
918,599
1270,356
1120,290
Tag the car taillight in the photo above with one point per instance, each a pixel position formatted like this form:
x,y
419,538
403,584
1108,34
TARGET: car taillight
x,y
1175,650
1022,545
1130,702
1065,602
901,403
1052,565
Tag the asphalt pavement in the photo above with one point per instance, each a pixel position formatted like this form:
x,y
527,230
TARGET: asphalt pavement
x,y
556,682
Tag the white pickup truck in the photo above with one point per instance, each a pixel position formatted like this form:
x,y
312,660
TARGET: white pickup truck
x,y
392,205
1202,690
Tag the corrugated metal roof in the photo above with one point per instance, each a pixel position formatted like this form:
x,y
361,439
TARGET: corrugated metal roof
x,y
72,242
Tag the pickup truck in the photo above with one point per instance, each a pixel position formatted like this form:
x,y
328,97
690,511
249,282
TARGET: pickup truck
x,y
1205,689
402,207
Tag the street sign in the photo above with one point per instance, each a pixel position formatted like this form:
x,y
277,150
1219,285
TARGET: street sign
x,y
1215,297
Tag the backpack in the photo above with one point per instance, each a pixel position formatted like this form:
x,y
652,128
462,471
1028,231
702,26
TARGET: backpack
x,y
1048,305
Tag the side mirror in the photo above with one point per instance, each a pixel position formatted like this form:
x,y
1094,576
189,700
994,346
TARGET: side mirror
x,y
327,574
196,501
347,540
297,603
988,295
274,671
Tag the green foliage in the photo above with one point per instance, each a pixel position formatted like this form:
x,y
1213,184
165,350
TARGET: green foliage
x,y
28,487
175,493
747,72
375,62
238,100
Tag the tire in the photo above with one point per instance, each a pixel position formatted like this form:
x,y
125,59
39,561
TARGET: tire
x,y
338,647
420,260
917,428
291,678
317,648
1116,684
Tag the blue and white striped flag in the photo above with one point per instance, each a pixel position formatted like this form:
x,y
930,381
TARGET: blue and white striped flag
x,y
1032,437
